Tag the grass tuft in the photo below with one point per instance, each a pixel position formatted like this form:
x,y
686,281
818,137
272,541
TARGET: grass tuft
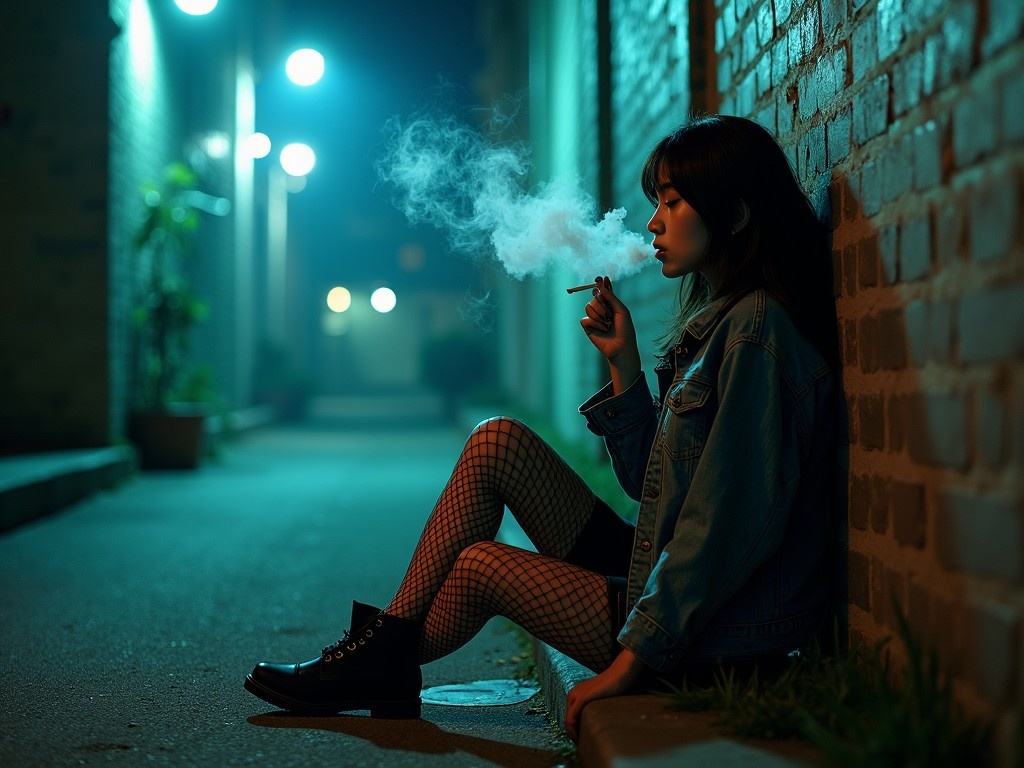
x,y
853,708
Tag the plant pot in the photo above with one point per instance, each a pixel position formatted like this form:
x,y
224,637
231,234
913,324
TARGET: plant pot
x,y
168,440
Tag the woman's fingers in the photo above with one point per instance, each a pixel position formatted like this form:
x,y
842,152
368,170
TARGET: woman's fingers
x,y
598,312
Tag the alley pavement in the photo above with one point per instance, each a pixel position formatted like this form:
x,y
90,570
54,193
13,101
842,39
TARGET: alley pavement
x,y
129,619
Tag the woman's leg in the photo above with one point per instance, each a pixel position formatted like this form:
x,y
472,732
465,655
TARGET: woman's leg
x,y
563,605
503,464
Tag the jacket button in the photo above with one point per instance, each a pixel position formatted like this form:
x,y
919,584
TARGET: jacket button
x,y
610,413
645,545
650,492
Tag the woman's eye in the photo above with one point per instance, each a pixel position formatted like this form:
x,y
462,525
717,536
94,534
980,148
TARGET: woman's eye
x,y
671,203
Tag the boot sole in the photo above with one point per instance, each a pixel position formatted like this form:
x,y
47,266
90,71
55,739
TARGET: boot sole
x,y
407,709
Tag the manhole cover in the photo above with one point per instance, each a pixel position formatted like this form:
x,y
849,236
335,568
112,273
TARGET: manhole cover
x,y
482,693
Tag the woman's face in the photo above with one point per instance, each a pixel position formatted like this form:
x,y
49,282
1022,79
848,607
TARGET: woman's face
x,y
680,237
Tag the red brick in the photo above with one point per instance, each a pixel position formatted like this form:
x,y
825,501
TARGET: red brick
x,y
929,326
1009,22
992,433
871,420
897,169
833,17
867,332
764,23
995,214
888,254
995,643
991,325
782,10
937,429
898,407
927,157
915,249
871,188
865,49
979,533
849,342
839,133
780,61
871,110
858,583
1012,105
888,593
878,492
906,508
906,82
889,21
957,44
859,502
974,126
949,234
892,341
919,615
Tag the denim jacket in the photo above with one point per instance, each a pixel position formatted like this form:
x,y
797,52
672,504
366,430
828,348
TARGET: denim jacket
x,y
734,469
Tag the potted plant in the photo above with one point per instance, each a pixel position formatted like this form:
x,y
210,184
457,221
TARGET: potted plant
x,y
167,432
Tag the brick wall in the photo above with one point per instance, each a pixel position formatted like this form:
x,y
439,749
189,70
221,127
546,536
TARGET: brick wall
x,y
906,113
144,128
904,120
54,379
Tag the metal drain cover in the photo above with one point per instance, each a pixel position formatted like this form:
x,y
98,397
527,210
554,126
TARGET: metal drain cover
x,y
482,693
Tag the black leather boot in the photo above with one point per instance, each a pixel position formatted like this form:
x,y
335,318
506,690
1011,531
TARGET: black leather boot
x,y
372,667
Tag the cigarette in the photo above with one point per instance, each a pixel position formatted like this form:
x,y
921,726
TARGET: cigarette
x,y
578,288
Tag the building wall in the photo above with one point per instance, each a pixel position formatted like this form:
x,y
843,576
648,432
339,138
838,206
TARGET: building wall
x,y
904,120
144,126
54,305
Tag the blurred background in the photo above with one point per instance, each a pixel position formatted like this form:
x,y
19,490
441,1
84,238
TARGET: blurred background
x,y
167,248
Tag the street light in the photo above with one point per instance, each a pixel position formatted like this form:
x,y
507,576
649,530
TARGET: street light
x,y
196,7
305,66
297,159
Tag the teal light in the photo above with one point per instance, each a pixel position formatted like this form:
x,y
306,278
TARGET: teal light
x,y
196,7
297,159
305,66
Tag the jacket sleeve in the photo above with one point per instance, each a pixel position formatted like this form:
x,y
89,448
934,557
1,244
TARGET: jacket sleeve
x,y
628,423
733,516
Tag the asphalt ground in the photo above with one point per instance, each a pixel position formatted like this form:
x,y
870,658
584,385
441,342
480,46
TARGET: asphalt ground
x,y
129,620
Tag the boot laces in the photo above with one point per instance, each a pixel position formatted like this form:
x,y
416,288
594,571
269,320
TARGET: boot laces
x,y
347,642
337,645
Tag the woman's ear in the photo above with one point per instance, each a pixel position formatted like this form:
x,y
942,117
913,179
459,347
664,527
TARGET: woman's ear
x,y
741,217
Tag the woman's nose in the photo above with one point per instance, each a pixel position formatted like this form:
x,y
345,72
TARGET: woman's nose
x,y
654,225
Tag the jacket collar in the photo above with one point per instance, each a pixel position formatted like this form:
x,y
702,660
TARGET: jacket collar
x,y
705,320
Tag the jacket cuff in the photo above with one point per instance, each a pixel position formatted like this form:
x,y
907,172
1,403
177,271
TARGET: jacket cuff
x,y
610,414
650,642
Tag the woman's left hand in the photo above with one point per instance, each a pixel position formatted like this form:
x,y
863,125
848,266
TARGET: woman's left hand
x,y
614,681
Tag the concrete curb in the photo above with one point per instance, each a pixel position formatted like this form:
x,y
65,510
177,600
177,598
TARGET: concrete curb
x,y
640,731
39,484
36,485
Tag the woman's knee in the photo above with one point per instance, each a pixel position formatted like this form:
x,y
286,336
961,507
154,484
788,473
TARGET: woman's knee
x,y
497,433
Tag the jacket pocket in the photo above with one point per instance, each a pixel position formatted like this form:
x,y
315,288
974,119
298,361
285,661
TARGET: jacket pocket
x,y
686,418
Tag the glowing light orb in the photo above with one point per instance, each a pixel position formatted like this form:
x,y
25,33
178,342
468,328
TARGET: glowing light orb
x,y
339,299
196,7
383,300
258,145
216,144
305,66
297,159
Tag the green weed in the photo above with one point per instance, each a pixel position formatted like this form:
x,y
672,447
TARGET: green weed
x,y
852,708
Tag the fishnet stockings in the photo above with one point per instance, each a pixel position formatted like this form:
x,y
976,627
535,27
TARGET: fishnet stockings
x,y
459,577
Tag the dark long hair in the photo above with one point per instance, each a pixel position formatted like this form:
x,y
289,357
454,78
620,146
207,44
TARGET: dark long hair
x,y
713,163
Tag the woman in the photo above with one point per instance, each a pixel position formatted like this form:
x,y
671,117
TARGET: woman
x,y
732,465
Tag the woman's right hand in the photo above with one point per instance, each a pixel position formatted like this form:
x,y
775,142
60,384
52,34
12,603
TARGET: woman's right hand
x,y
609,326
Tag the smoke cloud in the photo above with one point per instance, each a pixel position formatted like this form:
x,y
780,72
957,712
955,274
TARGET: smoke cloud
x,y
449,175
